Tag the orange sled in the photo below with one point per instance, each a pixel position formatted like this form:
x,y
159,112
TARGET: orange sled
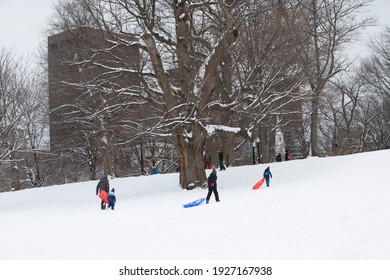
x,y
258,184
103,196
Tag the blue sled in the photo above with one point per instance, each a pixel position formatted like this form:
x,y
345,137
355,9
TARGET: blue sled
x,y
194,203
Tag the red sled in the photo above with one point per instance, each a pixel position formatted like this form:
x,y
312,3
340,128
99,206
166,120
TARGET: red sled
x,y
258,184
103,196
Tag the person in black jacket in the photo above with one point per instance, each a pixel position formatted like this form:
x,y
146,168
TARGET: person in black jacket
x,y
103,185
287,156
221,161
212,185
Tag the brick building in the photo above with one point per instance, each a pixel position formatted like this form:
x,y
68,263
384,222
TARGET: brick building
x,y
86,101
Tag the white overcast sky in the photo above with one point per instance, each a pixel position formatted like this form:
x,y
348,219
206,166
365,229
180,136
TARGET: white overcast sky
x,y
22,22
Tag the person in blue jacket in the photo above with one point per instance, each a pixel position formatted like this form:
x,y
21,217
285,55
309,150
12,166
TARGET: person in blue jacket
x,y
111,199
267,175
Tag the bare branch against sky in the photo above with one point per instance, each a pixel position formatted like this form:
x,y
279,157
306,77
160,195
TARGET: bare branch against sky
x,y
22,22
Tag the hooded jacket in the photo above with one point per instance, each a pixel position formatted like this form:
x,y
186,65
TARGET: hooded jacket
x,y
103,185
212,180
112,197
267,173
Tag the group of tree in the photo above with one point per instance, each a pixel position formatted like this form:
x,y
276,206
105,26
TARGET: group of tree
x,y
23,120
232,71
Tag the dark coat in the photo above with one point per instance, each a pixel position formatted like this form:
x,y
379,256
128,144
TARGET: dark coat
x,y
287,156
220,155
103,185
212,180
212,186
267,173
111,199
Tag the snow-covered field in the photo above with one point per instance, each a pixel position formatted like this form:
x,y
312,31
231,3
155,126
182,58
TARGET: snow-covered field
x,y
334,208
316,209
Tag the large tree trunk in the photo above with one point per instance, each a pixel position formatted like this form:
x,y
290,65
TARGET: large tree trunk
x,y
92,171
314,125
15,173
190,150
228,148
92,165
110,159
115,161
107,161
264,144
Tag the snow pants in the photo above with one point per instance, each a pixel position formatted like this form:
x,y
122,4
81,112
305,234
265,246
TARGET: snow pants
x,y
212,190
111,204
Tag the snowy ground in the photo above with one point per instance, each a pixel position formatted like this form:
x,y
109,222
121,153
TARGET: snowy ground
x,y
316,209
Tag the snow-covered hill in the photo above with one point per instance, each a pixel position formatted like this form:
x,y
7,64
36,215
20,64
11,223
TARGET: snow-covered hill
x,y
315,209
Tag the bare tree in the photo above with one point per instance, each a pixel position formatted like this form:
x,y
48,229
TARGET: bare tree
x,y
12,94
180,72
377,67
375,72
13,73
268,74
323,28
35,126
341,104
23,121
196,76
355,108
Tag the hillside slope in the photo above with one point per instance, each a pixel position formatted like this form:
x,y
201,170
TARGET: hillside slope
x,y
317,208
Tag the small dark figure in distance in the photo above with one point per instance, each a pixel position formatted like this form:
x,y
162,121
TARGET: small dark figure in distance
x,y
207,160
103,185
212,185
221,161
287,156
111,199
279,157
267,175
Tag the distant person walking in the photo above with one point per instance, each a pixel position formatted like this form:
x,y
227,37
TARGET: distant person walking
x,y
212,186
287,156
267,175
103,185
207,160
221,161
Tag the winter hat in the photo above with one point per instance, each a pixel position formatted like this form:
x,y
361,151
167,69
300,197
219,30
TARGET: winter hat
x,y
113,190
214,171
